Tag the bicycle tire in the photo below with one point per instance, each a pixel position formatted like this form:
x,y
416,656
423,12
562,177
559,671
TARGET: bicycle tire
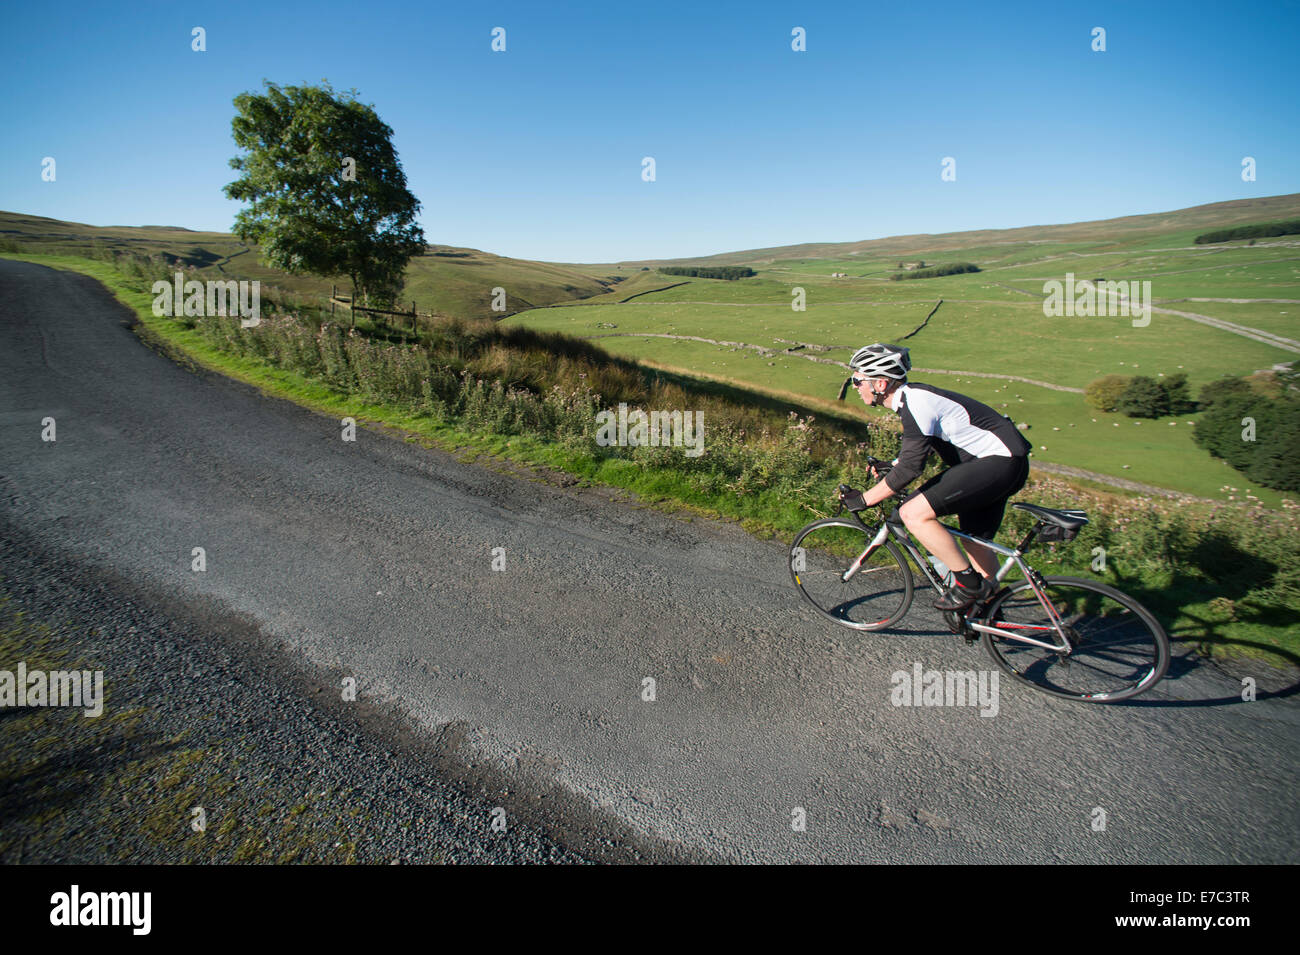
x,y
859,603
1125,664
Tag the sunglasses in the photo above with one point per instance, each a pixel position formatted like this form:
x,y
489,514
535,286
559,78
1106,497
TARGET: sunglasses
x,y
853,380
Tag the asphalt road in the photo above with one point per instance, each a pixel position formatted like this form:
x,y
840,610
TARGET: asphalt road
x,y
375,559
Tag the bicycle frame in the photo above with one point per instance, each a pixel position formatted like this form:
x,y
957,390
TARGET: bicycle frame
x,y
1014,558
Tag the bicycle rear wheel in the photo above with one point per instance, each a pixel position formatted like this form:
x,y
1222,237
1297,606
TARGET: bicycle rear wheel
x,y
877,595
1119,649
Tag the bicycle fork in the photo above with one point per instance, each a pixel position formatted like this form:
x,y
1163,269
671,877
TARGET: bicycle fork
x,y
854,567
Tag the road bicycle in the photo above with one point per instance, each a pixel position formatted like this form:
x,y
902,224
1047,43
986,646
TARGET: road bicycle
x,y
1068,636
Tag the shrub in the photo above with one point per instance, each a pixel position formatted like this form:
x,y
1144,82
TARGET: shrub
x,y
1276,461
727,272
934,271
1177,394
1255,433
1140,397
1219,430
1258,230
1104,393
1144,398
1224,388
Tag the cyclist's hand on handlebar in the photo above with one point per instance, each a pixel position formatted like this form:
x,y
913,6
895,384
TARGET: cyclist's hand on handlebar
x,y
878,467
852,498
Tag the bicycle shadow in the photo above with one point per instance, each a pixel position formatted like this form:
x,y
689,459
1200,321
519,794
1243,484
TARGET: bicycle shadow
x,y
1195,638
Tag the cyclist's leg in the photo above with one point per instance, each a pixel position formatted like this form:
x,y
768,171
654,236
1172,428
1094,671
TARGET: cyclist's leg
x,y
984,520
938,497
983,559
921,516
975,490
918,514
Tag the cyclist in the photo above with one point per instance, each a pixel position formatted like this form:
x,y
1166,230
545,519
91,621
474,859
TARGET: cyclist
x,y
987,460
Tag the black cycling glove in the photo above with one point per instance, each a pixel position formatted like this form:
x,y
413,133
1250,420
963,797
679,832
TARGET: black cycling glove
x,y
853,500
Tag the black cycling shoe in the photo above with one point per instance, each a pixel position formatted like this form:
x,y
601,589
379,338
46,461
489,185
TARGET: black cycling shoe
x,y
958,598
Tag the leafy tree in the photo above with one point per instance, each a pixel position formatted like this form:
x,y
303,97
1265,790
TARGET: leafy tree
x,y
1177,394
1223,388
326,193
1256,230
1276,462
1104,393
728,272
1273,456
1219,429
1144,398
934,271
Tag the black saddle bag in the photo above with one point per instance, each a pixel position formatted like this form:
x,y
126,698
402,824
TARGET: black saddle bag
x,y
1052,534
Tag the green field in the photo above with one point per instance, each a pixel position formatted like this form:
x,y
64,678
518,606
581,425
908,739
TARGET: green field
x,y
990,322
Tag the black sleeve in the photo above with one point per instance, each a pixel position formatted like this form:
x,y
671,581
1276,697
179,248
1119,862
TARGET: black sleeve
x,y
911,456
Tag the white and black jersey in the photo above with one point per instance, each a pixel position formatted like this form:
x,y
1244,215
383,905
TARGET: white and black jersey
x,y
958,428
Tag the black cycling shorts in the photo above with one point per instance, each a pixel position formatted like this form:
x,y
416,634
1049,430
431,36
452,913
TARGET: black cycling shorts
x,y
976,491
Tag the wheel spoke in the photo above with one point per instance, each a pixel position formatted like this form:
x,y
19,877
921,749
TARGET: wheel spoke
x,y
1118,666
877,594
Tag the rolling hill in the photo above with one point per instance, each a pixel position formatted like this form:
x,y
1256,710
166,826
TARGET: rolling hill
x,y
445,280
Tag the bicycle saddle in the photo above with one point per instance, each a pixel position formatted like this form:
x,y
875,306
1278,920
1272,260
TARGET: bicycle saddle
x,y
1070,519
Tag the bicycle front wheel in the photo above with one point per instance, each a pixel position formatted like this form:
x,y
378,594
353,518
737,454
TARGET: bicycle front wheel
x,y
875,596
1117,649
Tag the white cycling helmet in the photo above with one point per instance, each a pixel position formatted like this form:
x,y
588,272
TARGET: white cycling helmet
x,y
881,361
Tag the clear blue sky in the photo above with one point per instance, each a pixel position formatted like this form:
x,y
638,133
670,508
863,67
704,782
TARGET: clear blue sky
x,y
536,152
